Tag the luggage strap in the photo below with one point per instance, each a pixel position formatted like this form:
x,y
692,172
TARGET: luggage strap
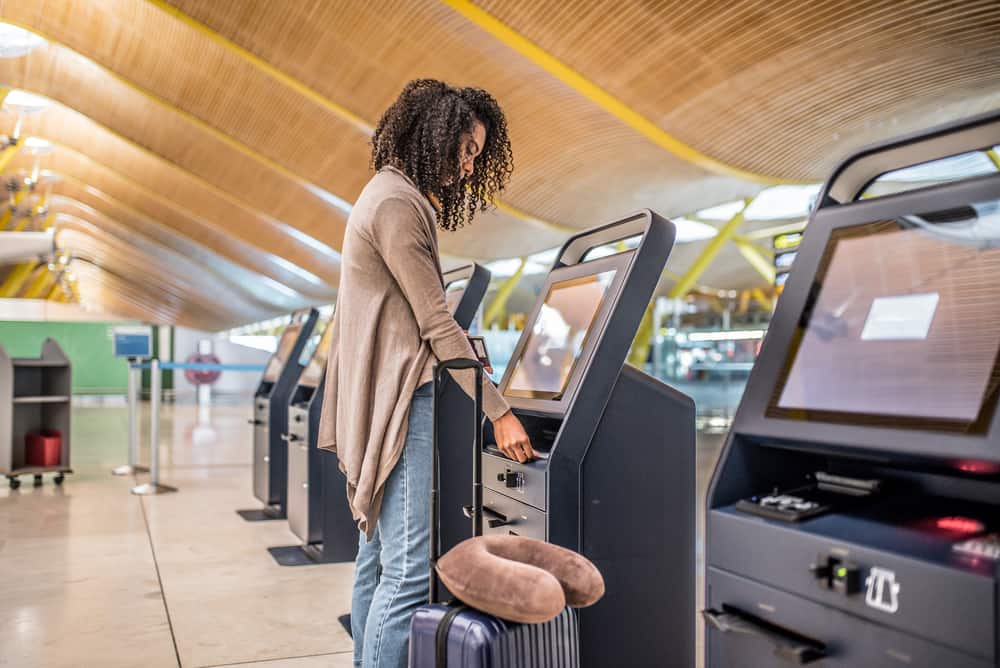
x,y
441,638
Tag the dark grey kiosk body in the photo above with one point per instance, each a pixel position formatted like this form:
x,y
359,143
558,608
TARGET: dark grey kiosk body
x,y
304,506
853,516
318,513
616,481
270,417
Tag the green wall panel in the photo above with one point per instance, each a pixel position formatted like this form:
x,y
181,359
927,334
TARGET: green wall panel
x,y
87,344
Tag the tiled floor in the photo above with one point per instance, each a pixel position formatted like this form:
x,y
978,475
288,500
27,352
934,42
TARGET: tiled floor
x,y
95,576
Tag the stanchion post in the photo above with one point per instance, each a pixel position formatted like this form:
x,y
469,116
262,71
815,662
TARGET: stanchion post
x,y
133,423
154,486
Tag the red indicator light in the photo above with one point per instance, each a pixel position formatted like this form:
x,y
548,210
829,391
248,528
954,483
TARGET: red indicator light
x,y
973,466
960,525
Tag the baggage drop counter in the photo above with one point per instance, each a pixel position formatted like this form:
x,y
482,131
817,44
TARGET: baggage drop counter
x,y
854,515
616,481
270,416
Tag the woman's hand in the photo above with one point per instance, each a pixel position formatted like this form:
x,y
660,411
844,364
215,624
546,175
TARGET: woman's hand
x,y
511,438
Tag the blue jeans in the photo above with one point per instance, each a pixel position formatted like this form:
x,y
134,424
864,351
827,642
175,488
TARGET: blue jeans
x,y
391,574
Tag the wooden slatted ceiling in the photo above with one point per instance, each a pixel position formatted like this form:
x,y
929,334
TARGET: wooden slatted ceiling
x,y
83,86
182,191
183,257
152,274
784,87
80,134
575,164
361,55
99,188
255,284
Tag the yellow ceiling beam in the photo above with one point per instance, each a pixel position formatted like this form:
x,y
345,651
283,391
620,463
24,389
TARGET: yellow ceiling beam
x,y
602,98
318,98
16,278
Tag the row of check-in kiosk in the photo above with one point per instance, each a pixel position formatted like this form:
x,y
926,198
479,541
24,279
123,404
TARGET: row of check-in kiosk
x,y
853,516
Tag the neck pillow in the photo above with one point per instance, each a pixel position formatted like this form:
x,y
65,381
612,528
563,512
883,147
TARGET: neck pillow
x,y
519,579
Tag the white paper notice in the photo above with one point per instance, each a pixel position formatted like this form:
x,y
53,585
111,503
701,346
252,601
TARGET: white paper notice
x,y
905,317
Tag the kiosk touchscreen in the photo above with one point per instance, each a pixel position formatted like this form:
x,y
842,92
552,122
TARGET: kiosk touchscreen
x,y
271,415
615,480
854,514
317,504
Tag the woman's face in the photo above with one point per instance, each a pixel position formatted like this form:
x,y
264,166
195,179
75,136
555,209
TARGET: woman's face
x,y
470,145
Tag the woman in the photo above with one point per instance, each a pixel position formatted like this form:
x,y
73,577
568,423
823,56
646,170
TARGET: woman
x,y
441,153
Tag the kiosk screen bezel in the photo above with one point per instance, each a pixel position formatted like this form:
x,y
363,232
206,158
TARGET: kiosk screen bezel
x,y
755,419
620,264
316,367
277,361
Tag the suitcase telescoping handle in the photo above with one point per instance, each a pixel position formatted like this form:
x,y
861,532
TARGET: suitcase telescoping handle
x,y
458,364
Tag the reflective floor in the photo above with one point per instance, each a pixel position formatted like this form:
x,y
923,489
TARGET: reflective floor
x,y
95,576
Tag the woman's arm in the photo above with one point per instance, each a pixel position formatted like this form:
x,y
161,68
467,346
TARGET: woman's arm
x,y
401,239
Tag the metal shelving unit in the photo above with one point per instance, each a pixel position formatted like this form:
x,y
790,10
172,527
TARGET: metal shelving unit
x,y
34,395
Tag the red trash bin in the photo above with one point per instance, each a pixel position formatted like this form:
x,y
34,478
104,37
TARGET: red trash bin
x,y
43,448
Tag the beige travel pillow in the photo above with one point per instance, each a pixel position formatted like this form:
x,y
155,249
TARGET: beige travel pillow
x,y
519,579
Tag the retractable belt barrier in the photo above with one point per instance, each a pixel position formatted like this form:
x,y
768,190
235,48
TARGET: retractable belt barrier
x,y
154,486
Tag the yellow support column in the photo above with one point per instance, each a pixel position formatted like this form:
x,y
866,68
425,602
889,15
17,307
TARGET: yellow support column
x,y
41,284
9,211
755,256
703,261
16,278
639,352
994,158
8,154
499,304
762,299
56,294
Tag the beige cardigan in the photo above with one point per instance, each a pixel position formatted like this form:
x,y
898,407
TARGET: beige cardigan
x,y
390,326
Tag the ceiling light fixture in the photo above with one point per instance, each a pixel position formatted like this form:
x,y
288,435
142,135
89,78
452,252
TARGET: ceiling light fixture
x,y
37,147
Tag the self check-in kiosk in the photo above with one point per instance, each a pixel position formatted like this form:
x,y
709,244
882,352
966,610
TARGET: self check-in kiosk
x,y
317,507
270,417
616,477
854,516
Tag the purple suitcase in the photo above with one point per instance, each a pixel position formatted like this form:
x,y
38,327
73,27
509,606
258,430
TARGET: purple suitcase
x,y
456,636
472,639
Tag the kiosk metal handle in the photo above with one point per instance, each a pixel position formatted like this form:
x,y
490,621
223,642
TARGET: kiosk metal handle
x,y
255,423
787,645
290,438
859,170
577,246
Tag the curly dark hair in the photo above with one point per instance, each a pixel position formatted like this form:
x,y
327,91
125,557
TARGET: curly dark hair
x,y
420,134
